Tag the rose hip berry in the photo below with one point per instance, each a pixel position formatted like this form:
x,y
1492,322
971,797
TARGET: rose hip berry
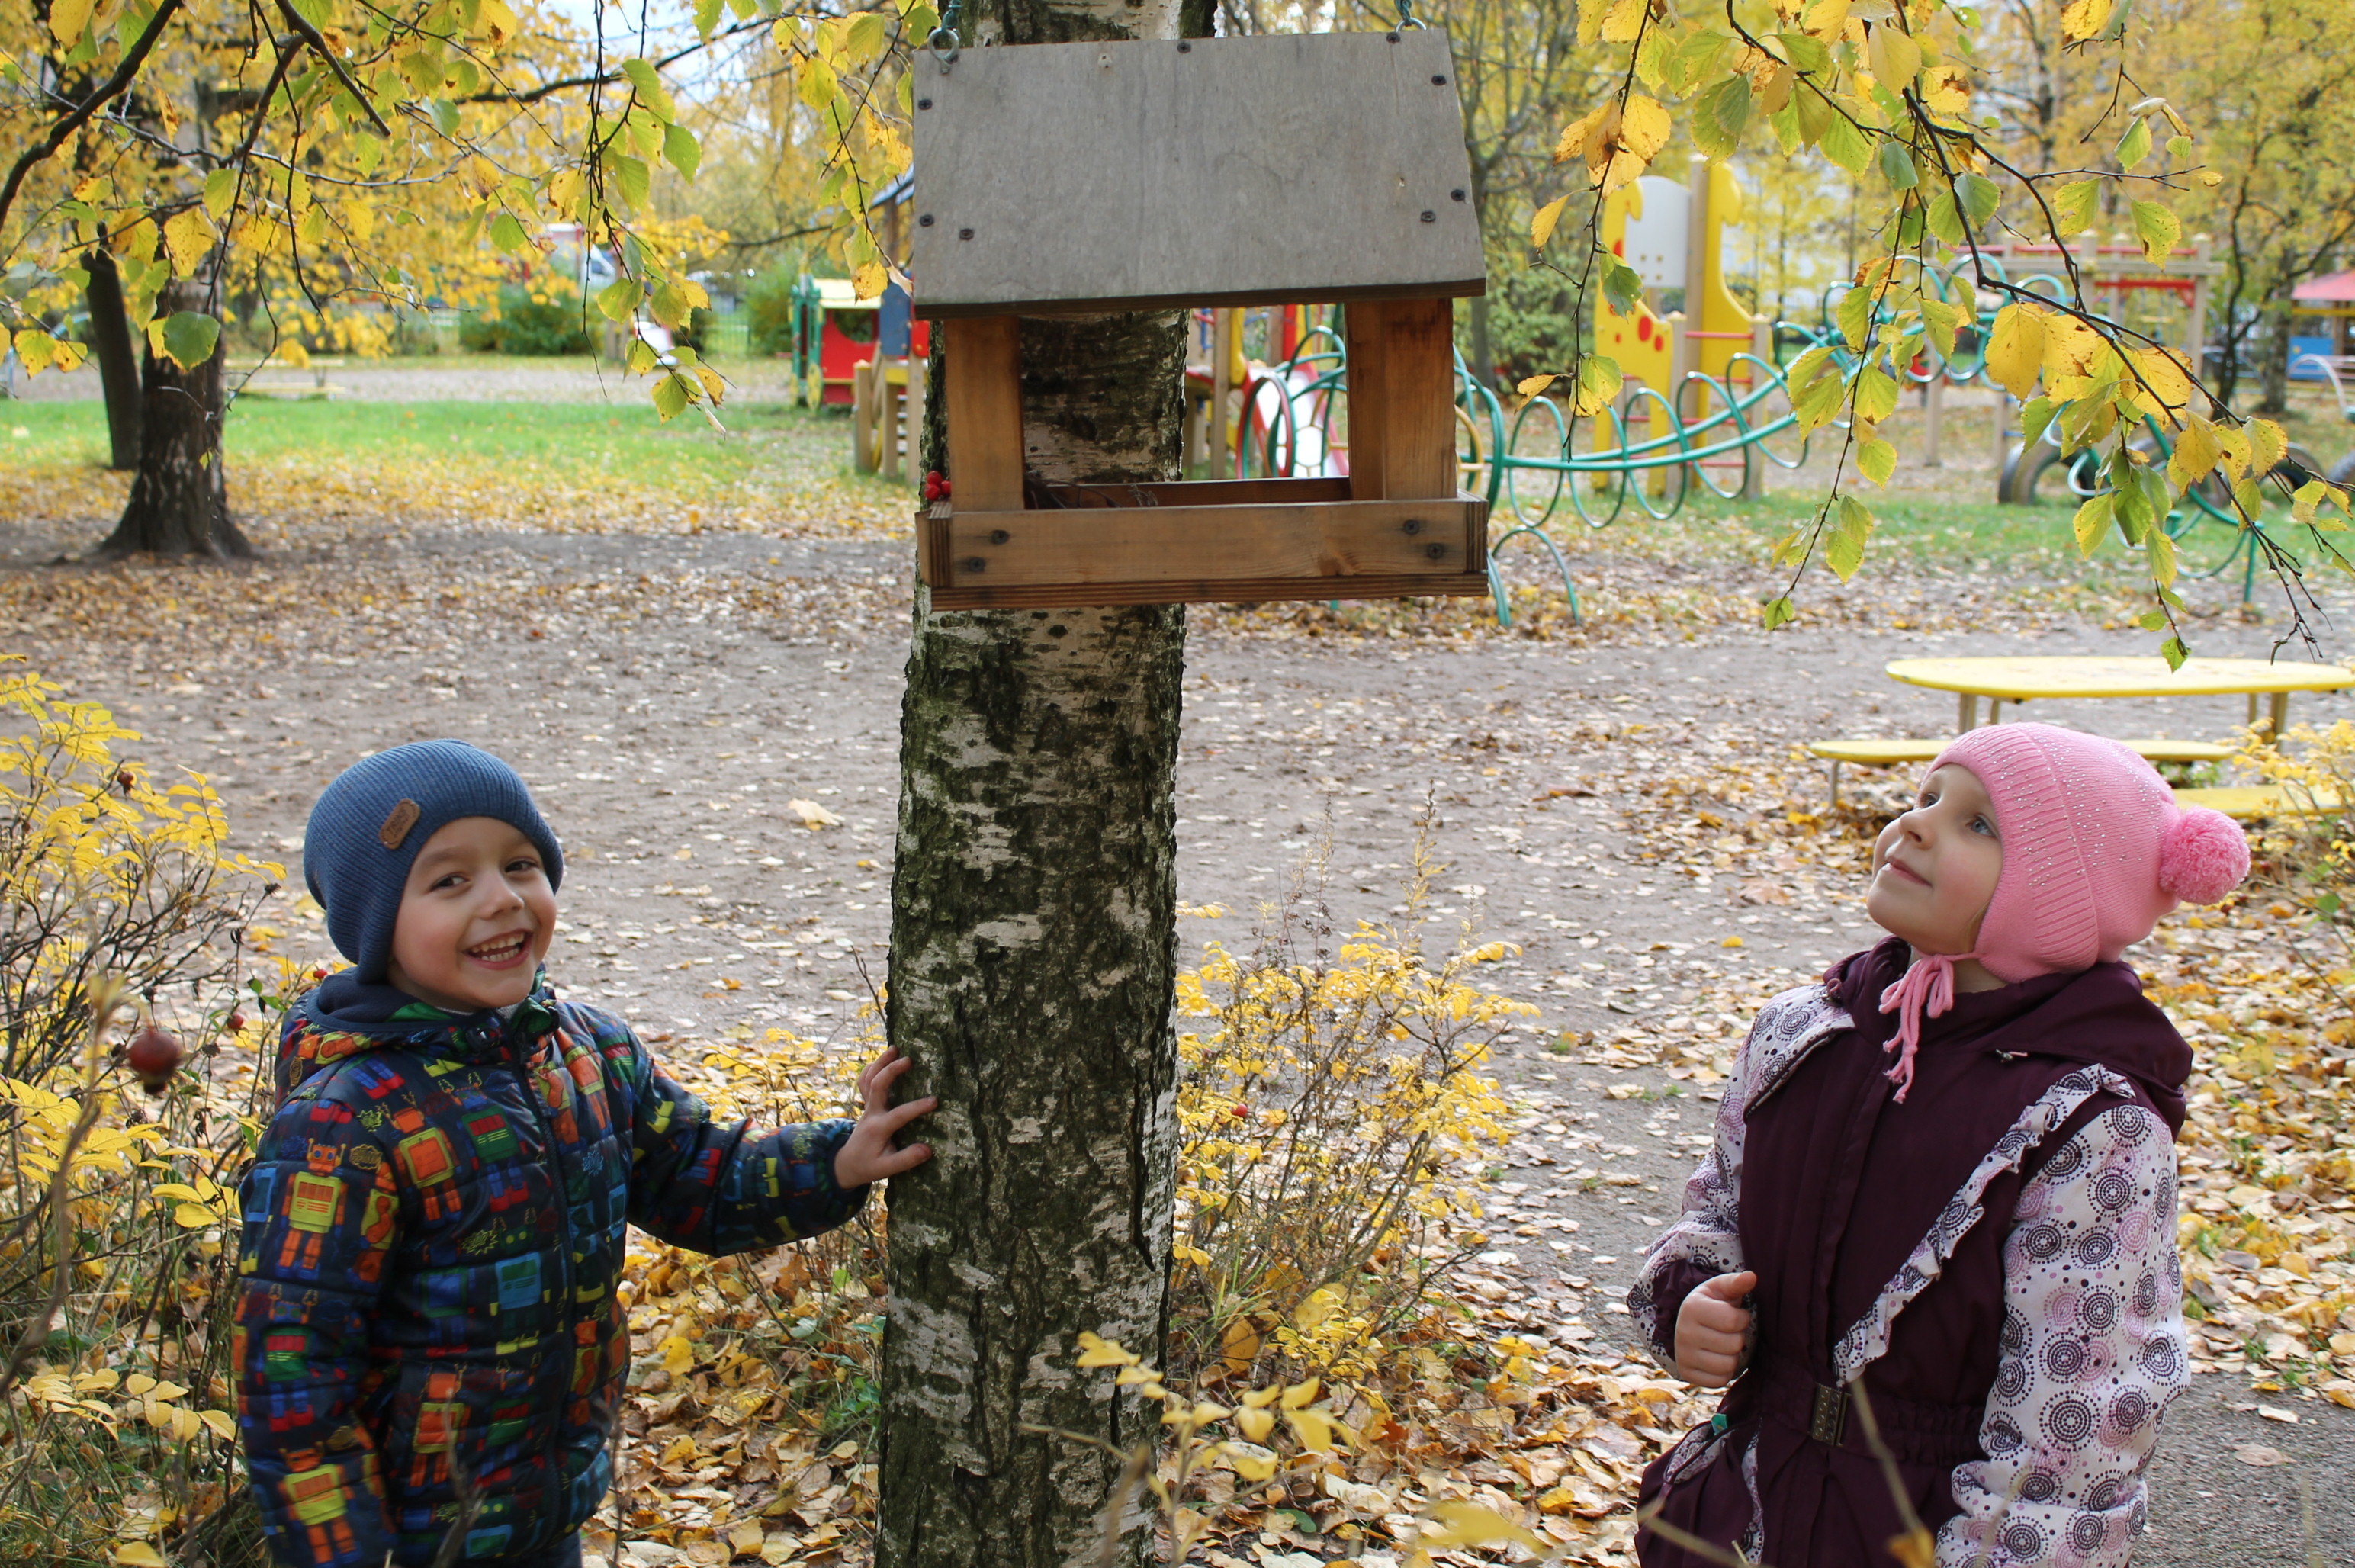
x,y
154,1055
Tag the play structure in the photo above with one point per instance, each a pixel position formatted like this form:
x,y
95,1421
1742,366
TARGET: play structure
x,y
2323,307
833,330
1706,408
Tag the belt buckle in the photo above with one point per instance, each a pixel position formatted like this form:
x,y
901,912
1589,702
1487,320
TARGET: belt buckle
x,y
1829,1417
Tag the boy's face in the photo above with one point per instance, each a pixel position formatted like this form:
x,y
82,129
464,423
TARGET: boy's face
x,y
475,918
1934,868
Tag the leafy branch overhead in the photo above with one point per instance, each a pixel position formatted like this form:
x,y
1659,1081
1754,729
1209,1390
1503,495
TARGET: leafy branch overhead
x,y
323,155
1897,94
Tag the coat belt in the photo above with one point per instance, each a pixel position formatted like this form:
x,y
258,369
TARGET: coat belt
x,y
1916,1432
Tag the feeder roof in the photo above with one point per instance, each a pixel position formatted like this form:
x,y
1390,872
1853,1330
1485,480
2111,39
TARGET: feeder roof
x,y
1140,175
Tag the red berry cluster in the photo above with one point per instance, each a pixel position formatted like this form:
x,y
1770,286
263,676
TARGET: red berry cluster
x,y
936,486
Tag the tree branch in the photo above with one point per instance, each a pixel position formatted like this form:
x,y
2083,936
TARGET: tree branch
x,y
113,88
301,24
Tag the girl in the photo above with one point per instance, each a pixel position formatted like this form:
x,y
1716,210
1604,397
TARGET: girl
x,y
1945,1174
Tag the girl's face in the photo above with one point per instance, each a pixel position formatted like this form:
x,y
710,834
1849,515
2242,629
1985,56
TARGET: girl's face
x,y
1934,868
475,918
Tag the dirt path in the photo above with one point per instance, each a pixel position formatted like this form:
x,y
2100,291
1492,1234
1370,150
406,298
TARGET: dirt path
x,y
667,697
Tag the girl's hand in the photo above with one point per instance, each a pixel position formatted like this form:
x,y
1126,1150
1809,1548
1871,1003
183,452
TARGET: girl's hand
x,y
869,1155
1715,1330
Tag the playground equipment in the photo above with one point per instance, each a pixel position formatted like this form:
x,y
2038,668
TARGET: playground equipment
x,y
834,329
2324,349
1674,237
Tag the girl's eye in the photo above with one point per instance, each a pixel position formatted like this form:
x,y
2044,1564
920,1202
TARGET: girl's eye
x,y
517,868
1981,825
451,881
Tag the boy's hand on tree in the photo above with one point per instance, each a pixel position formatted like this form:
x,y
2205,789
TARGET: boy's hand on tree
x,y
869,1155
1714,1331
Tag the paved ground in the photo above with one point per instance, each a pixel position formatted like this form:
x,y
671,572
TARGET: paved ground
x,y
665,747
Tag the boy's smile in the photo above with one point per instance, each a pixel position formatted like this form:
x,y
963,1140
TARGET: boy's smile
x,y
1935,870
476,916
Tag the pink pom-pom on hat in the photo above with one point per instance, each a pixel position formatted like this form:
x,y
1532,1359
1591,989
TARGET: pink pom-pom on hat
x,y
2204,857
2095,851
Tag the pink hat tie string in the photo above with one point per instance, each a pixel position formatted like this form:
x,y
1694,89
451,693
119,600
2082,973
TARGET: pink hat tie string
x,y
1925,989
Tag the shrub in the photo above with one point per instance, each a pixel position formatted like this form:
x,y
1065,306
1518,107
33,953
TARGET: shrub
x,y
769,310
540,318
1336,1131
118,897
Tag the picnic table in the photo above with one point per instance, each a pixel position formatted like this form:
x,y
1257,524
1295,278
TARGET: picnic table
x,y
2018,679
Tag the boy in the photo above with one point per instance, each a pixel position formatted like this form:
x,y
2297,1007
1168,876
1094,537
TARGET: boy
x,y
429,1351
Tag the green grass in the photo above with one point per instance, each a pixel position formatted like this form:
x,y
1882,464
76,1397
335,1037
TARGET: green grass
x,y
626,435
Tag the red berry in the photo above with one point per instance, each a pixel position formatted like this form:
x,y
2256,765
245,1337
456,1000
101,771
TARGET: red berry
x,y
236,1023
318,974
123,781
154,1054
1239,1112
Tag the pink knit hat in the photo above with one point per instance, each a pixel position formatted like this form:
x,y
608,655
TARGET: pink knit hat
x,y
2094,850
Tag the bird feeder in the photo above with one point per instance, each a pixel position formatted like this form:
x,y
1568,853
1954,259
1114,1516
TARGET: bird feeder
x,y
1077,178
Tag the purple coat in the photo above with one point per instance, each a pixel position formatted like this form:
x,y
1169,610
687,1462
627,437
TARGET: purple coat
x,y
1994,1258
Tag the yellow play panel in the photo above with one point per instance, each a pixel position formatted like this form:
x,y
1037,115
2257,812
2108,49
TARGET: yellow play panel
x,y
1888,753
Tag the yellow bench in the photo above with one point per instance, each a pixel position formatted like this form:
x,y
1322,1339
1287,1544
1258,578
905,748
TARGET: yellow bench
x,y
2241,802
1879,754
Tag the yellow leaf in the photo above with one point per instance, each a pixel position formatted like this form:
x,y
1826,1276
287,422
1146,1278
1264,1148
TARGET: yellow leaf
x,y
1249,1461
137,1384
2163,389
2195,455
1469,1524
1644,127
747,1538
2266,444
2016,353
1895,58
1255,1424
193,1217
36,348
69,19
1098,1351
223,1424
1541,227
814,816
1314,1428
1625,20
868,281
678,1355
1530,386
2157,227
1576,135
188,236
186,1424
137,1554
1298,1395
2083,18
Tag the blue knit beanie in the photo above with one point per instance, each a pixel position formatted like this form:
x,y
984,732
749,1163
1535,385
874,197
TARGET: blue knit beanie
x,y
368,824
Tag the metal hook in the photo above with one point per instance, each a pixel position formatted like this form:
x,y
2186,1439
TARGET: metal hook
x,y
1407,18
943,40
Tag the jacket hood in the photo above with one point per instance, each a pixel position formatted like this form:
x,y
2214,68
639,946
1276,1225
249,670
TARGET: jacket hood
x,y
2098,1017
345,1016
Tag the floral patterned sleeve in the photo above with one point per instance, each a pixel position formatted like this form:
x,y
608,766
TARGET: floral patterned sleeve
x,y
1706,1240
2093,1349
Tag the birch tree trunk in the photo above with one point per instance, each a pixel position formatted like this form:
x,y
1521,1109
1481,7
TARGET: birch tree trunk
x,y
1033,962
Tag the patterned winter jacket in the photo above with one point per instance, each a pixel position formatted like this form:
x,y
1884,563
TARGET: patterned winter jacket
x,y
429,1336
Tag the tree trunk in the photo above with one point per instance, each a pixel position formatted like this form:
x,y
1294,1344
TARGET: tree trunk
x,y
1033,967
179,501
2272,368
117,363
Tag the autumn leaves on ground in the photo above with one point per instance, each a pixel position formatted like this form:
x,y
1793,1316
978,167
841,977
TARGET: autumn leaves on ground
x,y
1352,1377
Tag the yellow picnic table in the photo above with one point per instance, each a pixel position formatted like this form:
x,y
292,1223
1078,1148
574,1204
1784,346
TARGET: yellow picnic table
x,y
2023,678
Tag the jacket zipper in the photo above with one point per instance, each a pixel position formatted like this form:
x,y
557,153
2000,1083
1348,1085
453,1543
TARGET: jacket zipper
x,y
518,1052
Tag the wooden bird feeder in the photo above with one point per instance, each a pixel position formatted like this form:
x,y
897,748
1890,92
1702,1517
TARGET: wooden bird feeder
x,y
1069,178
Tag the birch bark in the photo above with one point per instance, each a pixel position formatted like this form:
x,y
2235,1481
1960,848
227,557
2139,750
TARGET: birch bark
x,y
1034,948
